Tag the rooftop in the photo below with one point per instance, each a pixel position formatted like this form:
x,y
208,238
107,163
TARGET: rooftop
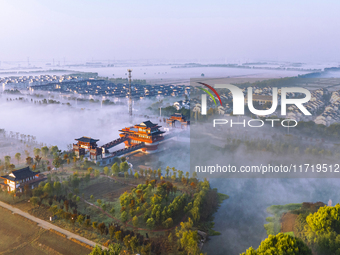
x,y
20,174
86,139
147,123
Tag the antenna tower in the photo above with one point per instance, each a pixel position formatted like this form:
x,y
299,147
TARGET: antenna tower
x,y
130,99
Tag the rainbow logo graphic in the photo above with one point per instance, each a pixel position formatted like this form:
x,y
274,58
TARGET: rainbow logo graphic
x,y
204,97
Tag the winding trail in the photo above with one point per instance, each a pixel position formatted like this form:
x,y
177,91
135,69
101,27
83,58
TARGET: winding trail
x,y
47,225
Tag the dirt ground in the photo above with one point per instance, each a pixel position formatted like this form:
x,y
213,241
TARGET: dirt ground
x,y
288,222
20,236
107,189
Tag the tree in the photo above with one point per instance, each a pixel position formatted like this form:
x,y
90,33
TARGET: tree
x,y
325,220
106,170
96,173
87,223
112,211
57,187
101,228
115,168
135,221
124,167
94,224
280,244
113,249
18,157
195,212
170,238
36,151
56,162
168,223
44,151
80,219
180,174
112,230
47,188
126,241
99,201
29,161
7,160
134,243
34,200
187,238
37,159
54,149
136,175
90,170
118,235
124,216
54,210
150,223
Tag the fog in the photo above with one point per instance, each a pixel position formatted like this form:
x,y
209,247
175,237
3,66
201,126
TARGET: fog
x,y
240,219
60,124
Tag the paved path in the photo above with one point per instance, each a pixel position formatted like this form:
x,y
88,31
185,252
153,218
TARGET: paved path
x,y
47,225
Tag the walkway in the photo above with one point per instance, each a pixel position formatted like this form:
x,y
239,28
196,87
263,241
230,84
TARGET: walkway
x,y
47,225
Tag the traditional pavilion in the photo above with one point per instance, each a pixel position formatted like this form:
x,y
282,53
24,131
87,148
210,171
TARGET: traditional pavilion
x,y
179,118
146,132
87,144
18,179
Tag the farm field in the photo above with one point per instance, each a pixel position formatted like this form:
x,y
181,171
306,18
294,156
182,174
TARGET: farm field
x,y
20,236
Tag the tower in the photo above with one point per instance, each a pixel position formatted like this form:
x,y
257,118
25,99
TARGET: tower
x,y
130,98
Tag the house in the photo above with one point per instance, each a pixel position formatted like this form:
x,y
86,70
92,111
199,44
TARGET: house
x,y
262,99
18,179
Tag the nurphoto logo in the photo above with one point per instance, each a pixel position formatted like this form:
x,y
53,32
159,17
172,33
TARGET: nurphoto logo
x,y
239,102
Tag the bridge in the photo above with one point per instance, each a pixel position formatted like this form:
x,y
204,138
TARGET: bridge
x,y
125,150
114,143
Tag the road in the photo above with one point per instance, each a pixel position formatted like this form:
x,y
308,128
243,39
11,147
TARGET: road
x,y
47,225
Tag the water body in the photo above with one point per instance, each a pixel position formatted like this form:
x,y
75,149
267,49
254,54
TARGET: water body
x,y
240,219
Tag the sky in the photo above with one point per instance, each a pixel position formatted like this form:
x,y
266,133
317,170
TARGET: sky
x,y
248,30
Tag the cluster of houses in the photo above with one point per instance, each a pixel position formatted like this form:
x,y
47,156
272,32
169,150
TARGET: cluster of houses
x,y
182,104
331,113
319,102
316,103
98,87
24,82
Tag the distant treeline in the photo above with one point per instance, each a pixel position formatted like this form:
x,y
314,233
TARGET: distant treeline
x,y
311,129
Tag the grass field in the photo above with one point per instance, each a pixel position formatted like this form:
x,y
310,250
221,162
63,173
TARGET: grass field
x,y
105,188
21,236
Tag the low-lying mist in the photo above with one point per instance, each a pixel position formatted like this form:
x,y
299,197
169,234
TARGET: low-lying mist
x,y
57,124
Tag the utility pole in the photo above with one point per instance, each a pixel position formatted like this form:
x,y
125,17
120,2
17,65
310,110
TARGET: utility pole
x,y
130,98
